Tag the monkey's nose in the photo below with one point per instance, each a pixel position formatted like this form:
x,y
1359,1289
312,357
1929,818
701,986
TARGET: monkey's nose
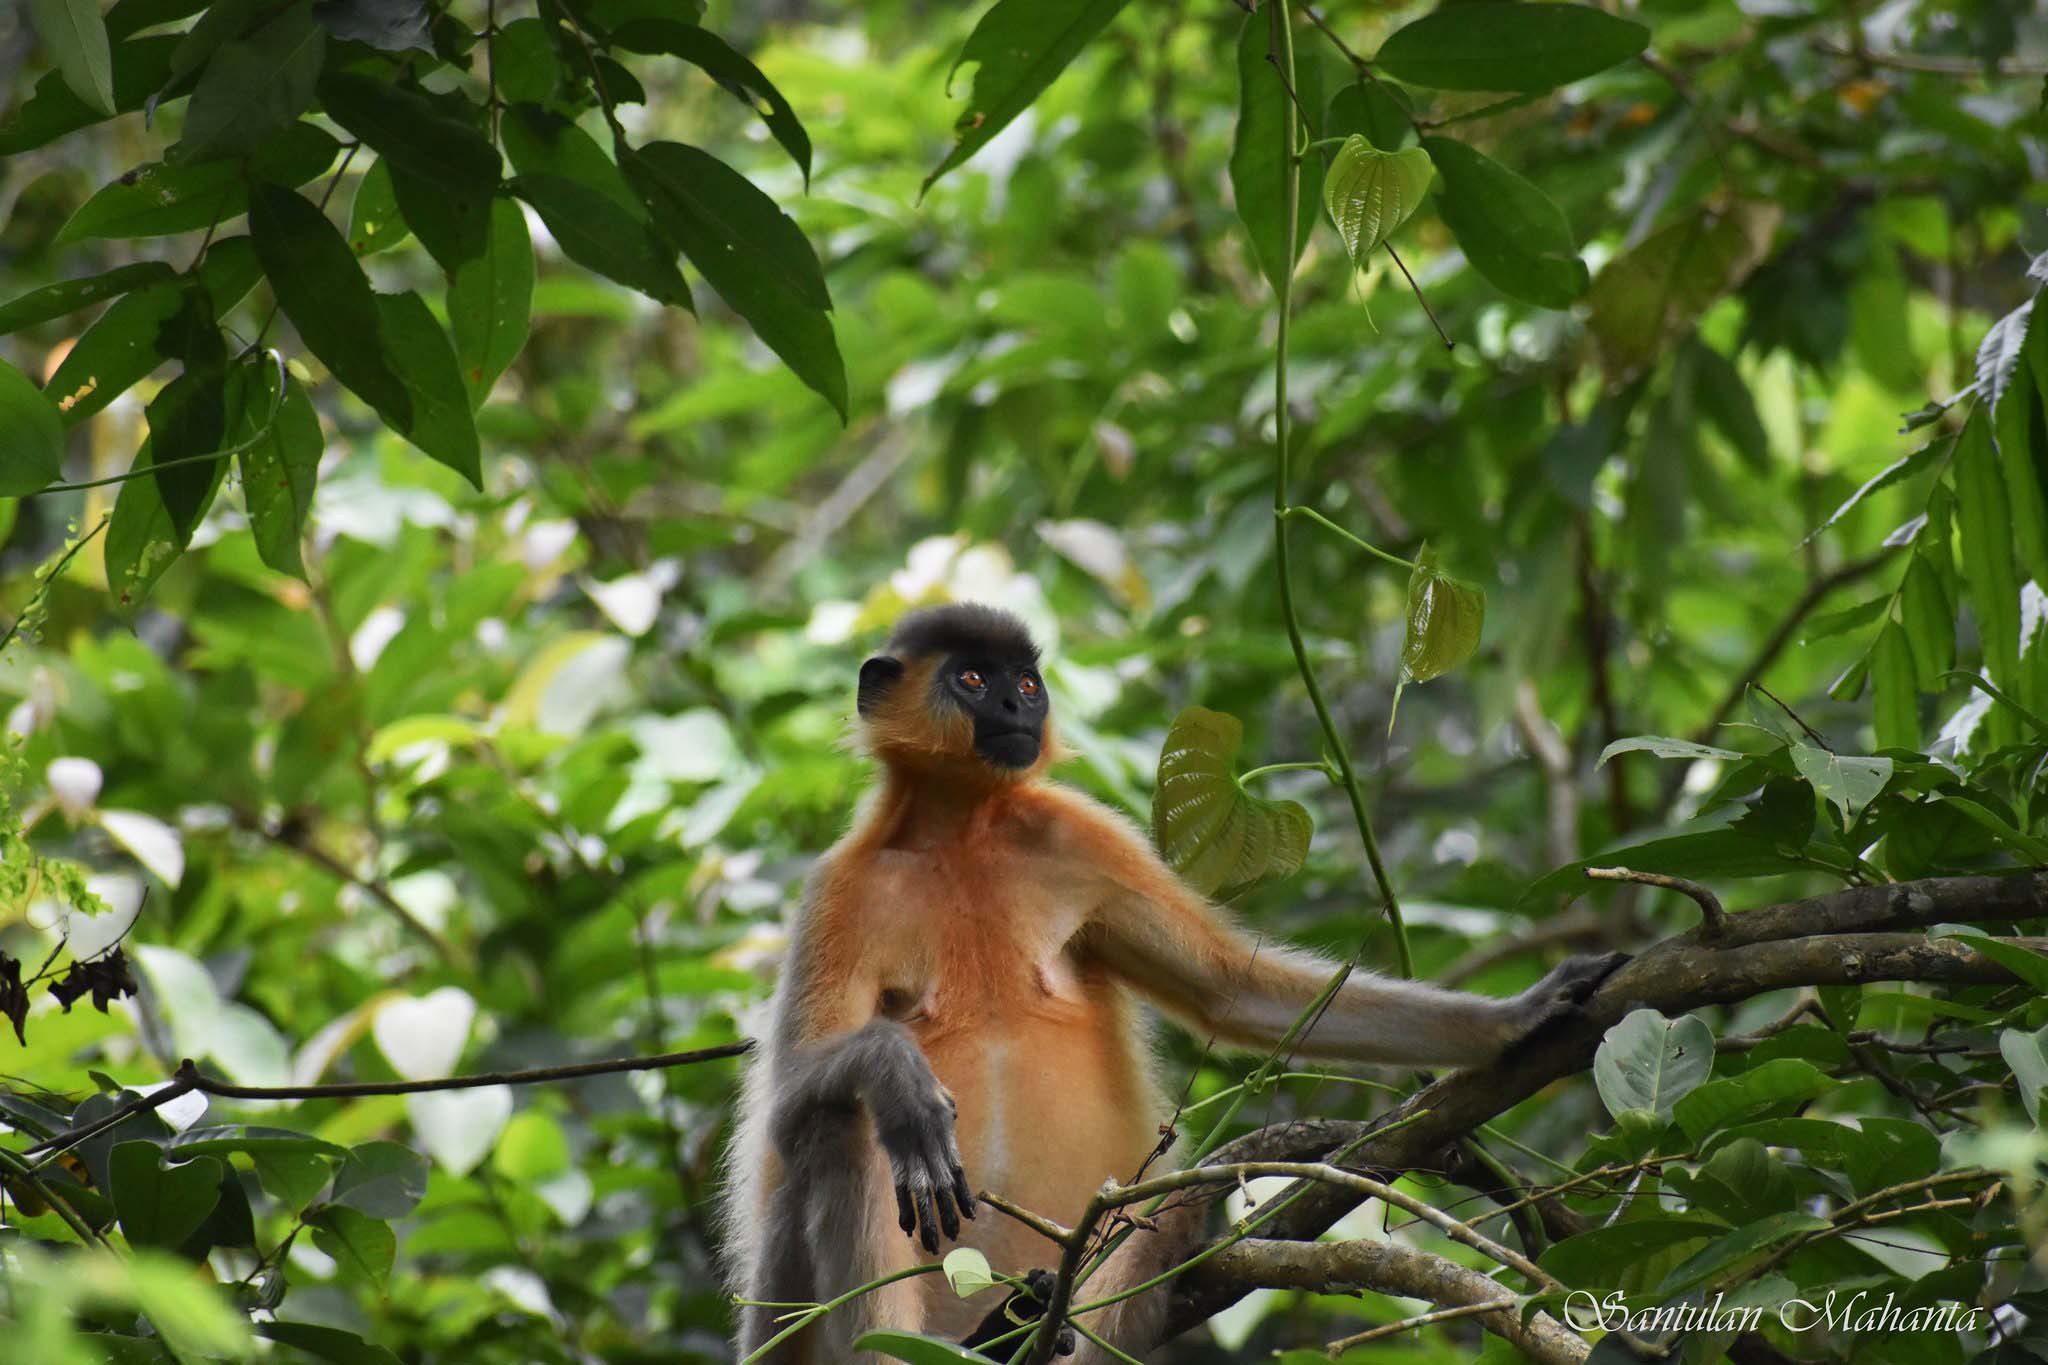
x,y
1010,705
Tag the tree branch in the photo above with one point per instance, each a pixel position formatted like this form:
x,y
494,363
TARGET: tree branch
x,y
1386,1268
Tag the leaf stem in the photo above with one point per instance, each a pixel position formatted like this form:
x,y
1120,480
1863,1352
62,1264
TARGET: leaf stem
x,y
1283,471
1319,519
1319,766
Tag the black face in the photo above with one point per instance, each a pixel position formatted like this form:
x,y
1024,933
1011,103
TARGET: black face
x,y
1007,700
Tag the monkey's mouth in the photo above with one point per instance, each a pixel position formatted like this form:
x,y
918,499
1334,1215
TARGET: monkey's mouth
x,y
1009,748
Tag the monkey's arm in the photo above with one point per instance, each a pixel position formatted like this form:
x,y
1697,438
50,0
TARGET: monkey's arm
x,y
1184,953
879,1068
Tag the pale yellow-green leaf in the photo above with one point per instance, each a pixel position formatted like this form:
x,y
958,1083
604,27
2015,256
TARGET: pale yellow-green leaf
x,y
1370,193
1218,837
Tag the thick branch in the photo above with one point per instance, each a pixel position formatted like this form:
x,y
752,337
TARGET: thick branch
x,y
1385,1268
1763,951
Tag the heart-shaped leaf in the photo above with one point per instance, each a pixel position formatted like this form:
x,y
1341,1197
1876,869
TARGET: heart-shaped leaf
x,y
1445,616
458,1127
161,1205
423,1038
1648,1062
1217,836
1370,193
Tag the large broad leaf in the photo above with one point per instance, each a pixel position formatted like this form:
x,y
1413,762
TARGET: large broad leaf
x,y
1648,1062
1781,1084
187,423
1651,293
2027,1055
1217,836
55,300
161,1205
750,251
2021,439
1521,47
1604,1257
116,351
1875,1153
1017,49
1848,782
412,130
1260,154
32,448
452,222
1738,1246
715,57
1508,229
1984,535
1724,400
159,199
382,1179
280,465
1722,852
1370,193
363,1247
252,88
76,37
142,539
490,301
141,66
330,1344
437,415
374,221
589,209
323,291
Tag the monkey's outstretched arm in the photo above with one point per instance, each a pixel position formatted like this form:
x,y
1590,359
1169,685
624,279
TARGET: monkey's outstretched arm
x,y
1183,952
880,1068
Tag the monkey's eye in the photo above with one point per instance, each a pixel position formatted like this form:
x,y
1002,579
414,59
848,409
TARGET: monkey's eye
x,y
972,679
1028,685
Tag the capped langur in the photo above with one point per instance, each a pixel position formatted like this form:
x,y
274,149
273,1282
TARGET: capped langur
x,y
959,1008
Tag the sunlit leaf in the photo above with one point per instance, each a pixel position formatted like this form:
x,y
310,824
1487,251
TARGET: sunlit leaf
x,y
1370,193
1217,836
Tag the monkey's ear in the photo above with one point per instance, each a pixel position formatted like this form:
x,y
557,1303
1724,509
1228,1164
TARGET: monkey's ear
x,y
877,676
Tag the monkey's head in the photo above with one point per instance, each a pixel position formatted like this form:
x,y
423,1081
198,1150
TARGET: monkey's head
x,y
958,690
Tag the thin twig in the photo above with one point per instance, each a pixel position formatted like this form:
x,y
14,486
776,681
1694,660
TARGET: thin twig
x,y
1044,1227
1391,1329
1713,920
1420,298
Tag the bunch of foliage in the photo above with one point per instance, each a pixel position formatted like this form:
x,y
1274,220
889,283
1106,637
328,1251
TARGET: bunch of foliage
x,y
355,759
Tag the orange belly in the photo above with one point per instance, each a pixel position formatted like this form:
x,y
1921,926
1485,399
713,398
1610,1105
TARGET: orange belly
x,y
1054,1100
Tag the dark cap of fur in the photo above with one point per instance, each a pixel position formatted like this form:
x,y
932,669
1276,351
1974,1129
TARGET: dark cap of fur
x,y
963,628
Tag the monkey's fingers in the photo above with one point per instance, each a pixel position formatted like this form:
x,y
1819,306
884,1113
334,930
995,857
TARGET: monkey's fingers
x,y
962,1194
927,1221
906,1212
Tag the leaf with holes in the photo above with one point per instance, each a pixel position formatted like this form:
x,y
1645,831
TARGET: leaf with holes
x,y
1370,193
1217,836
1849,783
1648,1062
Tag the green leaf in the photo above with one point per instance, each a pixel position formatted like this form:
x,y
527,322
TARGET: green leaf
x,y
77,39
524,63
1258,158
363,1247
323,291
1714,853
1018,49
2015,425
1984,534
1666,748
1370,193
967,1272
1520,47
187,422
438,418
1738,1246
141,66
1218,837
161,1205
374,221
1603,1257
1783,1083
1903,468
32,450
413,131
381,1179
1876,1153
1648,1062
712,55
490,302
1371,110
1928,619
1650,294
1510,231
2027,1055
55,300
1849,783
252,88
142,540
280,465
248,1139
1445,616
1720,394
293,1178
116,351
596,234
325,1343
2030,967
1895,691
159,199
2033,848
919,1350
750,251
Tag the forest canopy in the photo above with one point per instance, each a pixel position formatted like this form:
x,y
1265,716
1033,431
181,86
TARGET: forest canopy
x,y
1526,477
